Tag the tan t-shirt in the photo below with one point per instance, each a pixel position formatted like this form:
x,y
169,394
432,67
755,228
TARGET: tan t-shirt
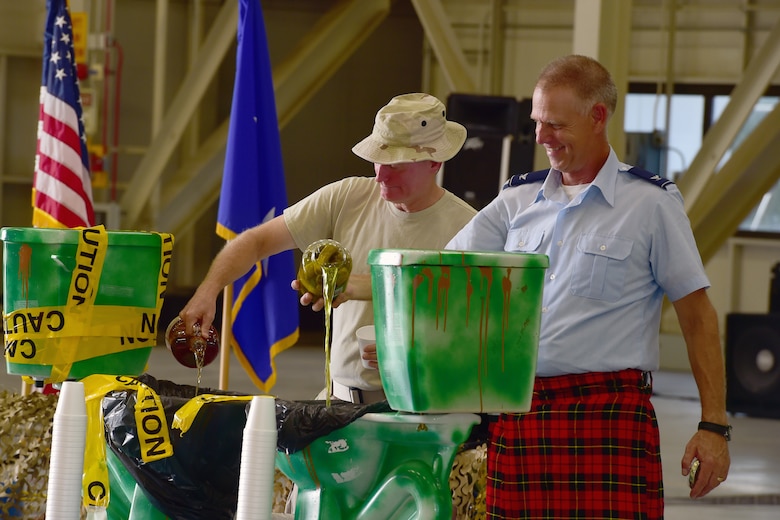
x,y
352,212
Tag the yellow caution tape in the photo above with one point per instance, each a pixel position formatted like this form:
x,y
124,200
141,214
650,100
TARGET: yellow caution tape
x,y
105,320
95,487
149,417
62,335
151,425
90,255
184,416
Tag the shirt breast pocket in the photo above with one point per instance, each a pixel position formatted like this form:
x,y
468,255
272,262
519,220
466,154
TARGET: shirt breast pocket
x,y
601,267
523,240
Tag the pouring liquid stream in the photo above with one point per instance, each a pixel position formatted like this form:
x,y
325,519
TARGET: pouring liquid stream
x,y
329,273
199,352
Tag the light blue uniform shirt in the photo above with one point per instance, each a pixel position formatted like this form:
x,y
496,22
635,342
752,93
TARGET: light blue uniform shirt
x,y
614,251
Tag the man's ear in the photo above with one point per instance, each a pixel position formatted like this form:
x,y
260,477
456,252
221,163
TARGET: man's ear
x,y
599,115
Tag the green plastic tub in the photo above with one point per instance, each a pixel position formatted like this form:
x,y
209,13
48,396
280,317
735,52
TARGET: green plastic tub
x,y
81,301
457,331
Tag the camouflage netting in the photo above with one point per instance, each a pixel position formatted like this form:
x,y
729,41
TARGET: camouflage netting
x,y
25,450
467,482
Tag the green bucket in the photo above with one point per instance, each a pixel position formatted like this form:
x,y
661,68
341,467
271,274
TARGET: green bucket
x,y
81,301
457,331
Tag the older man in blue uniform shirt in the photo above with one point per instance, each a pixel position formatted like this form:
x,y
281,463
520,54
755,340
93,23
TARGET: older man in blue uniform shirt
x,y
618,240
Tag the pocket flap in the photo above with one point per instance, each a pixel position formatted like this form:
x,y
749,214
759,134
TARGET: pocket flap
x,y
610,247
524,239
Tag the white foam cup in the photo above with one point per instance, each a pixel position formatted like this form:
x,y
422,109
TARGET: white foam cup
x,y
366,336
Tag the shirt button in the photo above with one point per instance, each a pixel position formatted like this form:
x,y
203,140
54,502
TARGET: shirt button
x,y
520,244
560,243
603,247
552,277
544,309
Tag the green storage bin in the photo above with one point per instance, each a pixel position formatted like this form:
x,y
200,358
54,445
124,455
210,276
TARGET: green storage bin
x,y
457,331
81,301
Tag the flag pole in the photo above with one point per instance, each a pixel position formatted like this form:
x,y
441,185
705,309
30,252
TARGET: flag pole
x,y
224,351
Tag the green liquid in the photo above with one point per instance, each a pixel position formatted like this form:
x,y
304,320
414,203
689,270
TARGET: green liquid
x,y
329,273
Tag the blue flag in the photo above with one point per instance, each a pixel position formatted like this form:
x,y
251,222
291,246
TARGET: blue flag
x,y
264,310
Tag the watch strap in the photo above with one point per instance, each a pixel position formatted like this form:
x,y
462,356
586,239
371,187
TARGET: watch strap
x,y
720,429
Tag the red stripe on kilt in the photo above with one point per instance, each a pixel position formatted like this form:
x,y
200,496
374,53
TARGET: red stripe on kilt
x,y
589,448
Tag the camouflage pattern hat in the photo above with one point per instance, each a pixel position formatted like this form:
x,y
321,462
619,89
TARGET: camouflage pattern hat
x,y
410,128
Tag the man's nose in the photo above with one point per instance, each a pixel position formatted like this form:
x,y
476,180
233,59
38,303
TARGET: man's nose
x,y
542,134
382,172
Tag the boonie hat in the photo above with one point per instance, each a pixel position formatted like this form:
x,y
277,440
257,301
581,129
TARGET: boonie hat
x,y
410,128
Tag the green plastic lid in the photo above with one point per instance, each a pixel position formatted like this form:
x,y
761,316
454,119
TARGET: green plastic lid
x,y
403,257
71,236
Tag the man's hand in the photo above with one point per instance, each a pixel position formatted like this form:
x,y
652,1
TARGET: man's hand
x,y
711,449
201,309
317,303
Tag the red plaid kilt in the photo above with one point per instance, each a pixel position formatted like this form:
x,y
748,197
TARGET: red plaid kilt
x,y
588,449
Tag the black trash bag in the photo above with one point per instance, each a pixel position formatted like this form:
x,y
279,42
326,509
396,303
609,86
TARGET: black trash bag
x,y
200,480
300,422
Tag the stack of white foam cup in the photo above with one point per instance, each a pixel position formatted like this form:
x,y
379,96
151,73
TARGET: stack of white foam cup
x,y
258,454
63,496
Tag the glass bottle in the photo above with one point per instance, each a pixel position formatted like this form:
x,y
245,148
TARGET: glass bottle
x,y
324,256
193,351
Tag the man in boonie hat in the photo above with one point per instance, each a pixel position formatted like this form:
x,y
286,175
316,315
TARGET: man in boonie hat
x,y
402,206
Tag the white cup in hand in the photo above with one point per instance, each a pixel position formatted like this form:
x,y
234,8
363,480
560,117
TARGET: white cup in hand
x,y
366,336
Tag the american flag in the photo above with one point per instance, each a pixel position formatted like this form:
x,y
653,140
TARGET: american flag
x,y
62,189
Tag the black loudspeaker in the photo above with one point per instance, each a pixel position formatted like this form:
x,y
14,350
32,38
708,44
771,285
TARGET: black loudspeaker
x,y
774,289
500,143
753,364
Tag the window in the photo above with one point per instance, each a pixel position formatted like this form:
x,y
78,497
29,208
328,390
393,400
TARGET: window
x,y
694,109
646,114
765,217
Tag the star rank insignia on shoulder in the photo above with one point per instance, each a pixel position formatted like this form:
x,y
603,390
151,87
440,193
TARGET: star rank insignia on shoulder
x,y
526,178
645,175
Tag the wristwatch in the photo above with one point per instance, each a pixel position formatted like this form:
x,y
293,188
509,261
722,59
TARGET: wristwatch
x,y
720,429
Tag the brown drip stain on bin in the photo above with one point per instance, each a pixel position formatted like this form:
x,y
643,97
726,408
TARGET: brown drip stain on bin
x,y
443,287
416,282
310,465
443,284
25,259
487,278
469,292
506,286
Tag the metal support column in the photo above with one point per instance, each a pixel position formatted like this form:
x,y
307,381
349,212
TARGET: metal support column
x,y
602,30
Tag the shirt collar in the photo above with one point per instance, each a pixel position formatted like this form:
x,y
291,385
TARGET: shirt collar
x,y
604,182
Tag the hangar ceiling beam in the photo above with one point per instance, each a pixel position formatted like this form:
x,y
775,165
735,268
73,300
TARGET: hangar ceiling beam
x,y
449,54
181,110
749,173
316,58
720,136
